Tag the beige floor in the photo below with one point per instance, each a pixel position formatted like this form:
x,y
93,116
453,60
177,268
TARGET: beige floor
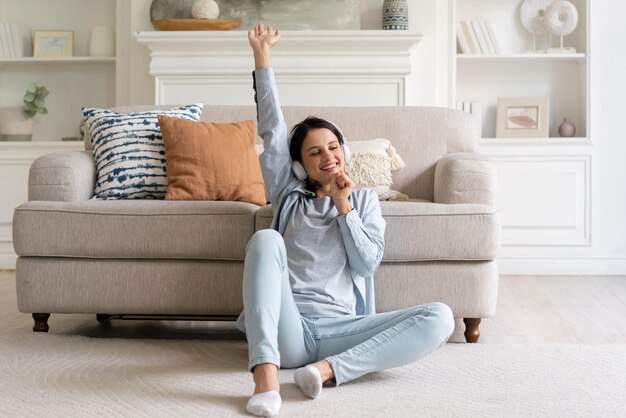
x,y
532,309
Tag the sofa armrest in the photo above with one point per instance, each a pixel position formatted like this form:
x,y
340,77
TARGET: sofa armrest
x,y
62,176
465,177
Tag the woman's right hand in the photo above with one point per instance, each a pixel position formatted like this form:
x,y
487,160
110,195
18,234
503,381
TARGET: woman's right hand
x,y
261,39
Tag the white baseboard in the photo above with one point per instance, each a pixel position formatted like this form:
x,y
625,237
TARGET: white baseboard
x,y
587,266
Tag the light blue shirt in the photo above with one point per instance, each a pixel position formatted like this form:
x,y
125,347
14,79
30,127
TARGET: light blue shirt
x,y
361,230
319,272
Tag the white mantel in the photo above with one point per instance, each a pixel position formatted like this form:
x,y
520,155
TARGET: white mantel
x,y
364,67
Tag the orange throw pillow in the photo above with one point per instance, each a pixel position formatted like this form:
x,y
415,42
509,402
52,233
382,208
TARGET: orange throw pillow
x,y
211,161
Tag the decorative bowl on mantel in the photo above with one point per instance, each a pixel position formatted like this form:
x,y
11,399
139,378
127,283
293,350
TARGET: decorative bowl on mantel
x,y
283,14
195,24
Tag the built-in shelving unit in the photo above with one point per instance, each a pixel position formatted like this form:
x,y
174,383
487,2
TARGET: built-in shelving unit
x,y
579,58
544,184
514,73
66,60
73,82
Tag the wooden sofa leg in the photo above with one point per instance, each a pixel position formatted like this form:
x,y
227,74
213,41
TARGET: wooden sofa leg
x,y
472,333
101,317
41,322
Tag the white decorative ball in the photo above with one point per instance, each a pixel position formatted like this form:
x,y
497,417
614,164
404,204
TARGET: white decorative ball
x,y
205,9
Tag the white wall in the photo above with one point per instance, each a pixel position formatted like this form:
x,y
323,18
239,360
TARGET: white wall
x,y
138,61
608,130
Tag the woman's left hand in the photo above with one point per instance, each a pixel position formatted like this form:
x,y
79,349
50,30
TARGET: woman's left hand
x,y
340,188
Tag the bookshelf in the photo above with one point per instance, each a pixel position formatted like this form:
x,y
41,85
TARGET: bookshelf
x,y
514,73
544,184
73,82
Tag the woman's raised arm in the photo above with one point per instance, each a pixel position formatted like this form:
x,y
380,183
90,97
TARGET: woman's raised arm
x,y
275,159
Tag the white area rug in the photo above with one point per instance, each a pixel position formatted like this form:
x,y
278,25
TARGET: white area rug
x,y
52,375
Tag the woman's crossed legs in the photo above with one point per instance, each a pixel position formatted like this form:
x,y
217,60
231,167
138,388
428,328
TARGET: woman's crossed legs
x,y
278,336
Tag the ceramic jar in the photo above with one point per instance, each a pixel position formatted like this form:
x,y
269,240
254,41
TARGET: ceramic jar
x,y
567,128
396,15
102,42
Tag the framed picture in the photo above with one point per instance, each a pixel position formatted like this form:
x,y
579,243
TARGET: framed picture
x,y
523,117
53,43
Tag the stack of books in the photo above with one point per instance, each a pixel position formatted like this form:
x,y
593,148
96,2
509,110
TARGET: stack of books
x,y
15,40
476,37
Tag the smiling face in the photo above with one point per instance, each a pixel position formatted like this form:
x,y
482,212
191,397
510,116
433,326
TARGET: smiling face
x,y
321,155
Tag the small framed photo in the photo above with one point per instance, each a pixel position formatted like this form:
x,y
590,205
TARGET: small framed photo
x,y
53,43
523,117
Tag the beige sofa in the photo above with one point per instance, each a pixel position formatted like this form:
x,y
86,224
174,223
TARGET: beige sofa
x,y
185,258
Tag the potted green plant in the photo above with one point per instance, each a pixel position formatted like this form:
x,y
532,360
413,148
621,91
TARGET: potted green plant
x,y
35,99
16,122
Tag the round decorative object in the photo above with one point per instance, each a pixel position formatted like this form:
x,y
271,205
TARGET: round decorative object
x,y
533,15
396,15
562,17
567,128
205,9
171,9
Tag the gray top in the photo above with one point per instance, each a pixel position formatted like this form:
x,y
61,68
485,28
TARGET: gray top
x,y
319,272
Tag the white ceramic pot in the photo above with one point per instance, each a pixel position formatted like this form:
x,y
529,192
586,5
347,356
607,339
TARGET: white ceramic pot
x,y
102,42
15,125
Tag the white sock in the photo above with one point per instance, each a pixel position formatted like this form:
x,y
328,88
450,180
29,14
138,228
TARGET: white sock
x,y
266,404
309,380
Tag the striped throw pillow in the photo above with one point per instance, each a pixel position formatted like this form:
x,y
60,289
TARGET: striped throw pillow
x,y
129,152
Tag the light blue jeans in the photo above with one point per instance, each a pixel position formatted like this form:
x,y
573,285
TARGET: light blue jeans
x,y
353,345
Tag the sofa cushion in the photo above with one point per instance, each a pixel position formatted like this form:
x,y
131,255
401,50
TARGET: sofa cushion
x,y
134,229
129,154
371,165
425,231
212,161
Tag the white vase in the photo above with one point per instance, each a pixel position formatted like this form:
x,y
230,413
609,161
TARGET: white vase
x,y
102,42
15,125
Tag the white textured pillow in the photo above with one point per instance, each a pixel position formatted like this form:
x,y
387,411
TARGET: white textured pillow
x,y
371,164
129,151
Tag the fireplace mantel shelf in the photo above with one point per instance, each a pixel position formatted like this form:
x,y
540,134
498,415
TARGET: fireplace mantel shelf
x,y
330,41
216,65
321,52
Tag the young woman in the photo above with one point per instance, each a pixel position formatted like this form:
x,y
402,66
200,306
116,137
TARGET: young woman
x,y
308,282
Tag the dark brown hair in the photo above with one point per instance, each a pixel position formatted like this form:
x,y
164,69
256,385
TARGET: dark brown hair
x,y
299,133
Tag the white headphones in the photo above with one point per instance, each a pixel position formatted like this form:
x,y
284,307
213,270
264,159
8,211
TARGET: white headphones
x,y
299,170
